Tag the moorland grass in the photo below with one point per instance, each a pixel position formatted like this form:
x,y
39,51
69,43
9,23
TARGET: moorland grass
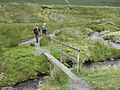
x,y
57,80
12,33
81,21
89,50
114,36
105,78
16,25
19,64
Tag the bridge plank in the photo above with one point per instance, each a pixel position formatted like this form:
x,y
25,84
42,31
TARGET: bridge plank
x,y
60,65
76,82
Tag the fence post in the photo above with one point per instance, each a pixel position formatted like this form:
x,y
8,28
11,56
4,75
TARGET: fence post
x,y
61,52
78,61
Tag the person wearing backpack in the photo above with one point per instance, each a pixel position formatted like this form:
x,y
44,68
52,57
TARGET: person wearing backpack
x,y
44,28
36,31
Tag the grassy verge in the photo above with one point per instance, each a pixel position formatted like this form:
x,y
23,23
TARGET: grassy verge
x,y
19,64
114,36
57,81
103,78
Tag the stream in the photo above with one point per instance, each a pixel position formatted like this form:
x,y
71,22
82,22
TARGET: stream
x,y
108,63
28,85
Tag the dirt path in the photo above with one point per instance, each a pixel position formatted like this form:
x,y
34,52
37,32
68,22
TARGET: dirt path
x,y
79,84
30,40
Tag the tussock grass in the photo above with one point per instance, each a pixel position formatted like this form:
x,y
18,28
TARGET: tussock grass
x,y
112,36
56,81
103,78
45,41
11,33
55,74
19,64
90,50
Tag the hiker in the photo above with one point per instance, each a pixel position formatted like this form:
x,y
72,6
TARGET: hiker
x,y
44,28
36,31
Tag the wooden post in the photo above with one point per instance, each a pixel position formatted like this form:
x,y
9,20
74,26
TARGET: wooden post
x,y
78,58
61,53
77,61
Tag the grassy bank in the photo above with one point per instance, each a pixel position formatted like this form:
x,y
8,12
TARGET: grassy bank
x,y
114,36
103,78
57,80
19,64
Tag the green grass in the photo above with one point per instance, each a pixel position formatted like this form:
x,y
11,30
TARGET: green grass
x,y
64,83
114,36
15,25
13,33
103,78
89,50
19,64
69,2
57,81
17,21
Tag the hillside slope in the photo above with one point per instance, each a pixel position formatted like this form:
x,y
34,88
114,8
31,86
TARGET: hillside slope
x,y
27,12
71,2
56,17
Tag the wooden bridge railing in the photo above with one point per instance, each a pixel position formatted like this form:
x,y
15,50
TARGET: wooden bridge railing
x,y
63,53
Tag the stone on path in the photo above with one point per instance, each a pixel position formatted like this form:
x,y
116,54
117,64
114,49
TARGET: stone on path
x,y
38,49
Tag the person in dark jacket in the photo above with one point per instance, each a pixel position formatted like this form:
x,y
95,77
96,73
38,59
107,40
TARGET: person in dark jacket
x,y
36,31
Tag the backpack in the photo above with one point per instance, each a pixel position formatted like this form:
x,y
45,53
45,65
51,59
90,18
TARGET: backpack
x,y
36,30
43,27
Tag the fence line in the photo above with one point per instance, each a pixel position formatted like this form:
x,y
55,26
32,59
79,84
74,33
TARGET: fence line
x,y
63,53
